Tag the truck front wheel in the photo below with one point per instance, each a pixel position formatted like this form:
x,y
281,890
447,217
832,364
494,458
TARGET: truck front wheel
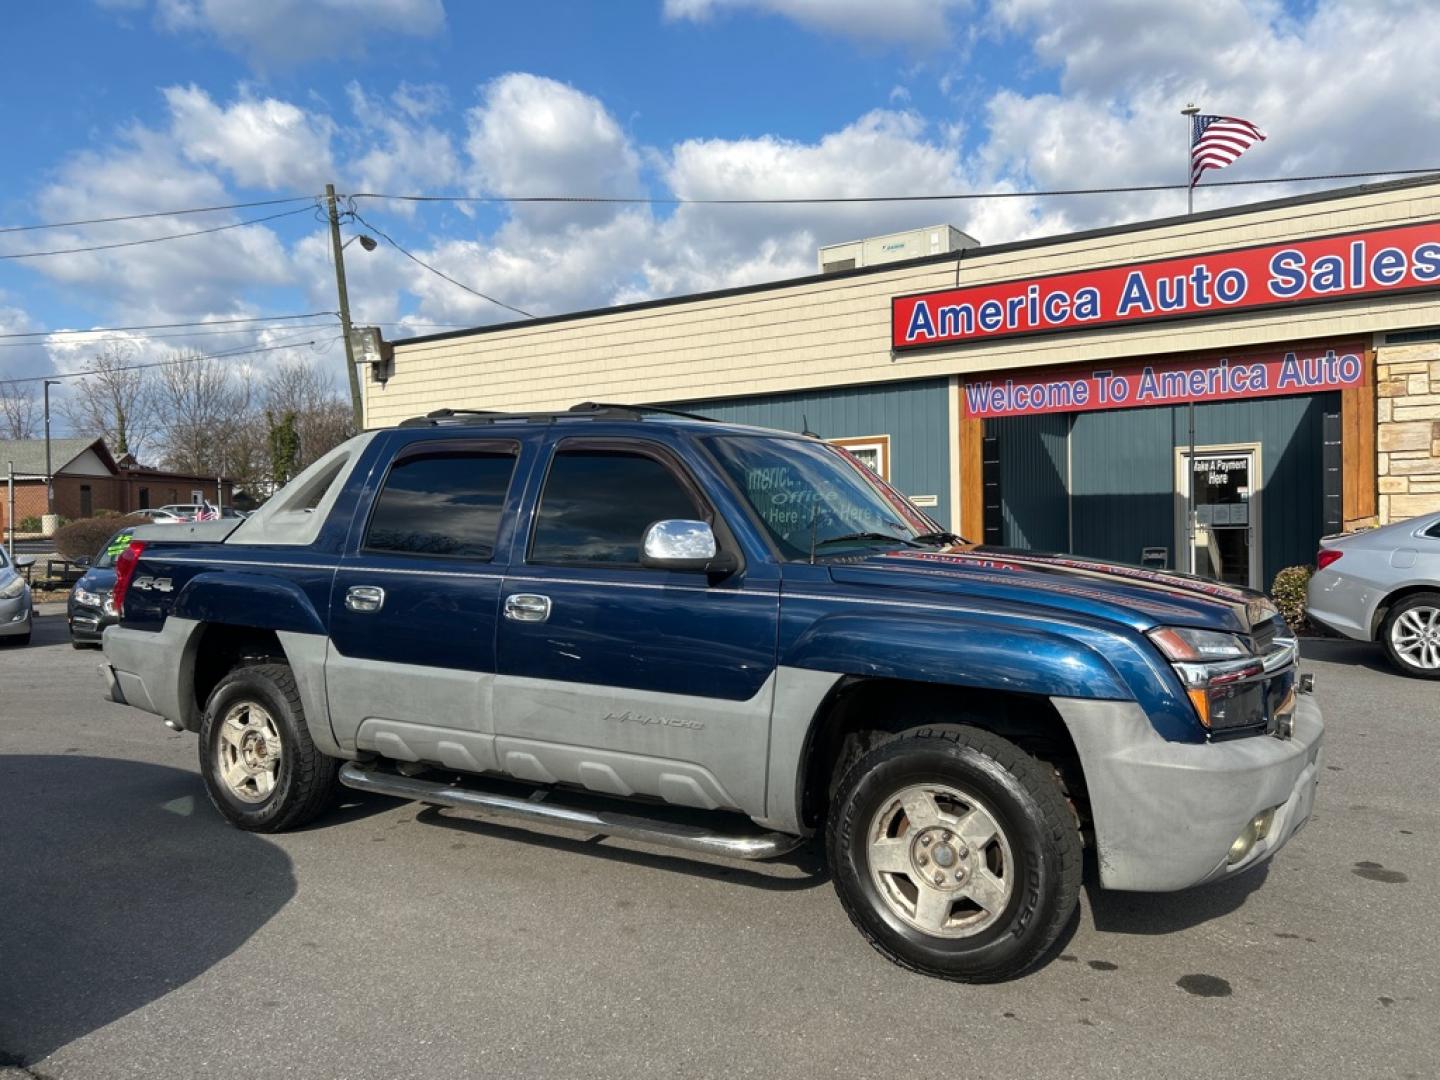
x,y
261,768
955,853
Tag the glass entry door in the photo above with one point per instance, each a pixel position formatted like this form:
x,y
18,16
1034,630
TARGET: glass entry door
x,y
1221,539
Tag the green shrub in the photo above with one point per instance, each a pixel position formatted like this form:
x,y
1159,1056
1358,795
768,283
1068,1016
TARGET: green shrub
x,y
1288,592
107,513
30,524
83,537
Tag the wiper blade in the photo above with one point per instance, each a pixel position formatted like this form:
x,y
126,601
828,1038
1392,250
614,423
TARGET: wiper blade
x,y
941,537
887,537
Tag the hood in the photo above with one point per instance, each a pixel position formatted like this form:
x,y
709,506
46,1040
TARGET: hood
x,y
97,579
1137,597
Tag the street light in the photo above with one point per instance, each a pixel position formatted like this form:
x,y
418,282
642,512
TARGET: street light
x,y
49,478
369,243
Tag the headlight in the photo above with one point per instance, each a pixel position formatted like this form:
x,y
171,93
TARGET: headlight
x,y
13,588
1223,679
1183,643
88,598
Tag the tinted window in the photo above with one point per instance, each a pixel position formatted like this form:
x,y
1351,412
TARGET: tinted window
x,y
1434,530
442,504
112,549
597,505
812,496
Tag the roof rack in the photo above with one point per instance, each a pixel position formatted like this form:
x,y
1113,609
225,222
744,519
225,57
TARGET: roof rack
x,y
637,410
586,410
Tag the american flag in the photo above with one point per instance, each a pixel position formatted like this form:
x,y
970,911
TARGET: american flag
x,y
207,513
1216,141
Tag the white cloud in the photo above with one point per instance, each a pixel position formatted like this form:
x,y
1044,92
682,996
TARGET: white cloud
x,y
264,143
1335,91
399,150
535,136
914,22
286,32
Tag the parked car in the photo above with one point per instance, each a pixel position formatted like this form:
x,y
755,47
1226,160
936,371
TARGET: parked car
x,y
1384,585
153,517
17,613
91,606
677,613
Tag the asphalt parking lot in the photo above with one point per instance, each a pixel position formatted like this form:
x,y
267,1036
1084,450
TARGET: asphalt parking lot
x,y
141,937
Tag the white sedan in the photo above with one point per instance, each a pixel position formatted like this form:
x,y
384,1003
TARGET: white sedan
x,y
17,613
1384,585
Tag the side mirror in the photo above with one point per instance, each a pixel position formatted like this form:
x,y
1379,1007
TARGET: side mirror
x,y
23,562
684,545
82,561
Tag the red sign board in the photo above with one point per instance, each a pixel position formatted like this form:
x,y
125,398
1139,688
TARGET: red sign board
x,y
1128,386
1337,267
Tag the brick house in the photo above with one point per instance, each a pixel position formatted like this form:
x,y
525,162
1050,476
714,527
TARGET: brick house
x,y
88,479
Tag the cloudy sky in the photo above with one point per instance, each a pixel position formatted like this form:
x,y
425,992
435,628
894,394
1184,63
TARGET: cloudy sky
x,y
132,106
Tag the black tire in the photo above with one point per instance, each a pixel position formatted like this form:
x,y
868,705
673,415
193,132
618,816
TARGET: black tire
x,y
1026,802
1425,600
305,779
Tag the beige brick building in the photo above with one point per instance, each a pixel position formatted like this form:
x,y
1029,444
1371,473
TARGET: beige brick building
x,y
1335,295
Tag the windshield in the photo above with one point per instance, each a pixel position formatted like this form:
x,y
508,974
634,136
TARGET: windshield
x,y
112,549
813,496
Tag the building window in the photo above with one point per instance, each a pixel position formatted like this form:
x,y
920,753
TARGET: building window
x,y
442,504
873,452
144,498
87,501
597,505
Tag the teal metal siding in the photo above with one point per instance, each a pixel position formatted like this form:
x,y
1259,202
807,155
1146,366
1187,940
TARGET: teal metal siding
x,y
914,414
1122,476
1033,480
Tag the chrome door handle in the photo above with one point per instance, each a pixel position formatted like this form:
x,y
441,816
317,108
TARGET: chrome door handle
x,y
364,598
527,607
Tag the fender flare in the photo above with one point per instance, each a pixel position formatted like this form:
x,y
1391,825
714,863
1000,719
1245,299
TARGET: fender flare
x,y
253,600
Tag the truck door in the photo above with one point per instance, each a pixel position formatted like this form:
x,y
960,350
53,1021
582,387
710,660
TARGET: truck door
x,y
622,678
411,662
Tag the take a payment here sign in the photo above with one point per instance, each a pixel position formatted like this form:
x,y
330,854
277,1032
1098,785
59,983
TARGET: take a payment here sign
x,y
1328,268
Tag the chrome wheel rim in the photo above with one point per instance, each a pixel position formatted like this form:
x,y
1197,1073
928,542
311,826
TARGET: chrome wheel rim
x,y
940,861
248,752
1415,636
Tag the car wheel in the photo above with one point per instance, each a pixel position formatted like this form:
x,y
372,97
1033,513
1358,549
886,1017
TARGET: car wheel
x,y
260,766
955,853
1411,633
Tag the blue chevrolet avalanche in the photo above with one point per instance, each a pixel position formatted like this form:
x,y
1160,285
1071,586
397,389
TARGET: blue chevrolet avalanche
x,y
726,640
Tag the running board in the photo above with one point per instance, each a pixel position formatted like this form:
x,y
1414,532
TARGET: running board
x,y
759,845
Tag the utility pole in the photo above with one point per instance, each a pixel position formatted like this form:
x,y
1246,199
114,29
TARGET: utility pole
x,y
336,247
49,476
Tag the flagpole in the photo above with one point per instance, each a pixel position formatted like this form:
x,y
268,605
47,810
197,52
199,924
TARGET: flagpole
x,y
1189,112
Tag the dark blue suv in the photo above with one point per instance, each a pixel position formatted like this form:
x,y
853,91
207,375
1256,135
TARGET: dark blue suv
x,y
725,639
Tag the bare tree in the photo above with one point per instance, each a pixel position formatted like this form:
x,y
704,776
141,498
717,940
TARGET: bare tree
x,y
20,413
206,410
322,418
114,401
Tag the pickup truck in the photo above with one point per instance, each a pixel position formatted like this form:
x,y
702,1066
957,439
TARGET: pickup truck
x,y
726,640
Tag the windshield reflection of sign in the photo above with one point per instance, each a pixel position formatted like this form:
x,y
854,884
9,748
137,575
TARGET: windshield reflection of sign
x,y
1222,491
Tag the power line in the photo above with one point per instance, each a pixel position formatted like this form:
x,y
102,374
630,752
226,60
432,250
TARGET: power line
x,y
171,325
438,273
292,344
186,334
155,214
156,239
828,199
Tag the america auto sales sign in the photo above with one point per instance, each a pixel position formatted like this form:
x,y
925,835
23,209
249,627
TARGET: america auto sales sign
x,y
1339,267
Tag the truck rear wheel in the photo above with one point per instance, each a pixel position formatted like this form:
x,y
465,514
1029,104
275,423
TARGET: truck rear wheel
x,y
261,768
955,853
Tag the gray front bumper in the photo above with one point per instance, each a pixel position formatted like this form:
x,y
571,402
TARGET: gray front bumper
x,y
15,616
1166,813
